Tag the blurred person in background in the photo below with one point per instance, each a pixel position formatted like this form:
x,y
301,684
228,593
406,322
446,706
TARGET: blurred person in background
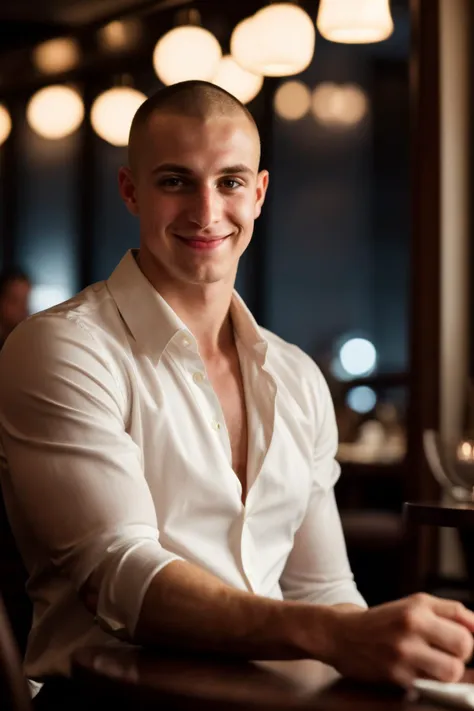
x,y
15,289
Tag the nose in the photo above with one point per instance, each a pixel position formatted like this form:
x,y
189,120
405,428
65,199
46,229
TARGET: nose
x,y
205,207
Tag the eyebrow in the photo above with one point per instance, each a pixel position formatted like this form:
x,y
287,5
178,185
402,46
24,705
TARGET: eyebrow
x,y
183,170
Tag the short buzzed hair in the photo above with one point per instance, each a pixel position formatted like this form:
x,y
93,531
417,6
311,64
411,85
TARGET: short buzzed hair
x,y
197,99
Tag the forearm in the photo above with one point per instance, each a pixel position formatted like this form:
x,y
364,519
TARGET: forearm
x,y
185,607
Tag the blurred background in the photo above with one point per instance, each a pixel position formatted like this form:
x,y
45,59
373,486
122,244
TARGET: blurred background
x,y
347,258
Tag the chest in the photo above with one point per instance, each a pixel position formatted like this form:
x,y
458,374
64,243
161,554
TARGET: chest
x,y
227,382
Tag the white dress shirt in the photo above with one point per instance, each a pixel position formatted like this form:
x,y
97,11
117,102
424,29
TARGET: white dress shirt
x,y
115,458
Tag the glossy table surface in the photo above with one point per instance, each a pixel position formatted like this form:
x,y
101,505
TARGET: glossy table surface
x,y
154,680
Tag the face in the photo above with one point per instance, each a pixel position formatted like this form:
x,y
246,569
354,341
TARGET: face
x,y
14,306
197,190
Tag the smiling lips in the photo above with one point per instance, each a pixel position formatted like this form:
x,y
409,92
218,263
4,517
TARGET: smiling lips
x,y
202,242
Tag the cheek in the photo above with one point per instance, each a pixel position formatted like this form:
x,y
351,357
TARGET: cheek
x,y
243,211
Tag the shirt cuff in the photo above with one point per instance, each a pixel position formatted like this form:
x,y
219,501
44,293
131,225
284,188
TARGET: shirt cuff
x,y
339,596
124,584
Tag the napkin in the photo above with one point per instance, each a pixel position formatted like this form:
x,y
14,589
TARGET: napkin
x,y
460,696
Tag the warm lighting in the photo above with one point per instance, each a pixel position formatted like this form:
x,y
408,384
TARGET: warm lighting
x,y
120,34
186,52
55,111
355,21
5,124
237,81
112,113
292,100
339,105
277,41
56,55
465,452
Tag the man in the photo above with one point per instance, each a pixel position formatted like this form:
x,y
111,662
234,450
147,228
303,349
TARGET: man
x,y
15,289
169,466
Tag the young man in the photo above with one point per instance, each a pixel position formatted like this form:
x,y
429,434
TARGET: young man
x,y
169,465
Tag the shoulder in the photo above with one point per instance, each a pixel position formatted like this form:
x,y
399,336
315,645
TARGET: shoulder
x,y
298,375
85,320
289,360
81,334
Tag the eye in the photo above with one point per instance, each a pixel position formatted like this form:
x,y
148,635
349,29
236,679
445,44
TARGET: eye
x,y
172,182
231,183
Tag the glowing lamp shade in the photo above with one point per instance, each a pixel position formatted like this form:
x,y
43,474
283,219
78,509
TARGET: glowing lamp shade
x,y
56,55
339,105
186,52
358,356
355,21
112,113
55,111
292,100
120,34
237,81
5,124
277,41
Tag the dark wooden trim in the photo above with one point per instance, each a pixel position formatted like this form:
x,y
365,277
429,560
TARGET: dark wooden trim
x,y
259,247
86,191
9,157
423,411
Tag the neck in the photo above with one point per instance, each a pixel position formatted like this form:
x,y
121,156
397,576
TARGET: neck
x,y
204,308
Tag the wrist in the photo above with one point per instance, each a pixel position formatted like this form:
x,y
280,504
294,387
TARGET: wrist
x,y
319,631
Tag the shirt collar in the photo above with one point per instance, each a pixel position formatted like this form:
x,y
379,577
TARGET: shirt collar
x,y
152,321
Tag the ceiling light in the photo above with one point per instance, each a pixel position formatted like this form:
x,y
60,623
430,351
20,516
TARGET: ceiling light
x,y
237,81
5,124
355,21
292,100
55,111
339,105
112,113
56,55
277,41
186,52
120,34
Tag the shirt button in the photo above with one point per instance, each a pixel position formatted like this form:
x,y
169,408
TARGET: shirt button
x,y
186,342
216,425
198,377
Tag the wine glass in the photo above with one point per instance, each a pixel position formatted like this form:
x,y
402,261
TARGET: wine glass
x,y
452,464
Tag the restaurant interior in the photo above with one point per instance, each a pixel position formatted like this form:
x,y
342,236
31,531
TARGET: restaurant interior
x,y
362,254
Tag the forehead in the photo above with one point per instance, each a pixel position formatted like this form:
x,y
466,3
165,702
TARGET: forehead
x,y
199,143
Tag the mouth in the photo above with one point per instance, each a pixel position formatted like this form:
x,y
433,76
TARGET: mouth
x,y
202,243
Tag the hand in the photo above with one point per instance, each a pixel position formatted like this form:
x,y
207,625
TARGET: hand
x,y
418,636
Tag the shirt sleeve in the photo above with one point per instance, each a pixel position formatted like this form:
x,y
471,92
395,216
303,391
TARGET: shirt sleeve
x,y
317,569
75,473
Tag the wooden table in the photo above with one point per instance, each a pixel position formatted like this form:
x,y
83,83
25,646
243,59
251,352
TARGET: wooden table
x,y
452,515
150,680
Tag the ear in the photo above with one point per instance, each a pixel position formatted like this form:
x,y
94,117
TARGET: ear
x,y
127,189
262,185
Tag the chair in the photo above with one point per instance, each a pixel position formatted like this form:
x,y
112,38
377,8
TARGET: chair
x,y
13,577
14,693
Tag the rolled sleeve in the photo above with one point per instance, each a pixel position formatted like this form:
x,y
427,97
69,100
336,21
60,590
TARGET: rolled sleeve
x,y
318,569
75,473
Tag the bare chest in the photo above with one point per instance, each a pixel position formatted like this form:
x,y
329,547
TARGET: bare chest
x,y
226,379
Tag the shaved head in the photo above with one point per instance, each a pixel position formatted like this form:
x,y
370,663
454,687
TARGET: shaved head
x,y
194,99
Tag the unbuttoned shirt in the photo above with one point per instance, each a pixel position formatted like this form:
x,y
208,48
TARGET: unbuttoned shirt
x,y
115,460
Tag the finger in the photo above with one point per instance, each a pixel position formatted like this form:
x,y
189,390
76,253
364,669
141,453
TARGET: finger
x,y
448,636
433,664
453,610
